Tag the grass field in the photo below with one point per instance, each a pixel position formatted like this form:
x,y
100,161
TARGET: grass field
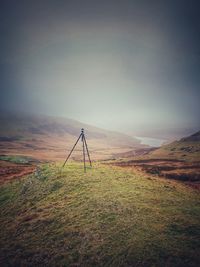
x,y
107,217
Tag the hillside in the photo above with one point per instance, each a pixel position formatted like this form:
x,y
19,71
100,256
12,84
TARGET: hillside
x,y
46,138
192,138
187,148
178,160
107,217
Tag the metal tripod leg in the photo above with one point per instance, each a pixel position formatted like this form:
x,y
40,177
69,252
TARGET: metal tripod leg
x,y
87,150
72,149
83,152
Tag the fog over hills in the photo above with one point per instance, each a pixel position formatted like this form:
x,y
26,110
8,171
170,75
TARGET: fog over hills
x,y
194,137
130,66
47,137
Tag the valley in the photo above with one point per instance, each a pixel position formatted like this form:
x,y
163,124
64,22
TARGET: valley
x,y
179,160
51,138
136,206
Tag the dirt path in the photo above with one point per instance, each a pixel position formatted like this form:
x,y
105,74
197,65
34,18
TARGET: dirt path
x,y
10,171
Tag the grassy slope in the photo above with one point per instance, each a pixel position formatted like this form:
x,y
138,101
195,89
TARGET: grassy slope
x,y
18,159
182,150
106,217
187,148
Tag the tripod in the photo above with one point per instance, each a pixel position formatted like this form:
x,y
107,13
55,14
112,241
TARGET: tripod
x,y
85,147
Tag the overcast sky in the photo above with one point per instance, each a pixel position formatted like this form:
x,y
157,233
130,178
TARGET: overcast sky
x,y
113,64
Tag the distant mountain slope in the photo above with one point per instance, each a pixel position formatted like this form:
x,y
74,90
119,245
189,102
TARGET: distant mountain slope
x,y
192,138
48,137
187,148
178,160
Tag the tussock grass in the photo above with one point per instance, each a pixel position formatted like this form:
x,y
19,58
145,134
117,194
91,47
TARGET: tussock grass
x,y
106,217
17,159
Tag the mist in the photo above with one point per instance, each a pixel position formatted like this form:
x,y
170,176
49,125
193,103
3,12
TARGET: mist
x,y
131,66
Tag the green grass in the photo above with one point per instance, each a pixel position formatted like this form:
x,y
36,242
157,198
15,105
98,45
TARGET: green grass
x,y
106,217
16,159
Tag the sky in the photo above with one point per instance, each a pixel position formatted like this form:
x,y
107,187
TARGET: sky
x,y
120,65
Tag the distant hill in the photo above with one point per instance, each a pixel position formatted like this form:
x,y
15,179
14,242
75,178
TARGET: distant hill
x,y
47,137
192,138
178,160
187,148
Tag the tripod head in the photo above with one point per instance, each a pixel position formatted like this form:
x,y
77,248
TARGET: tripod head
x,y
82,134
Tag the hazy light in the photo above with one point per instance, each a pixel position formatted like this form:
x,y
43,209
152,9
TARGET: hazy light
x,y
118,66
